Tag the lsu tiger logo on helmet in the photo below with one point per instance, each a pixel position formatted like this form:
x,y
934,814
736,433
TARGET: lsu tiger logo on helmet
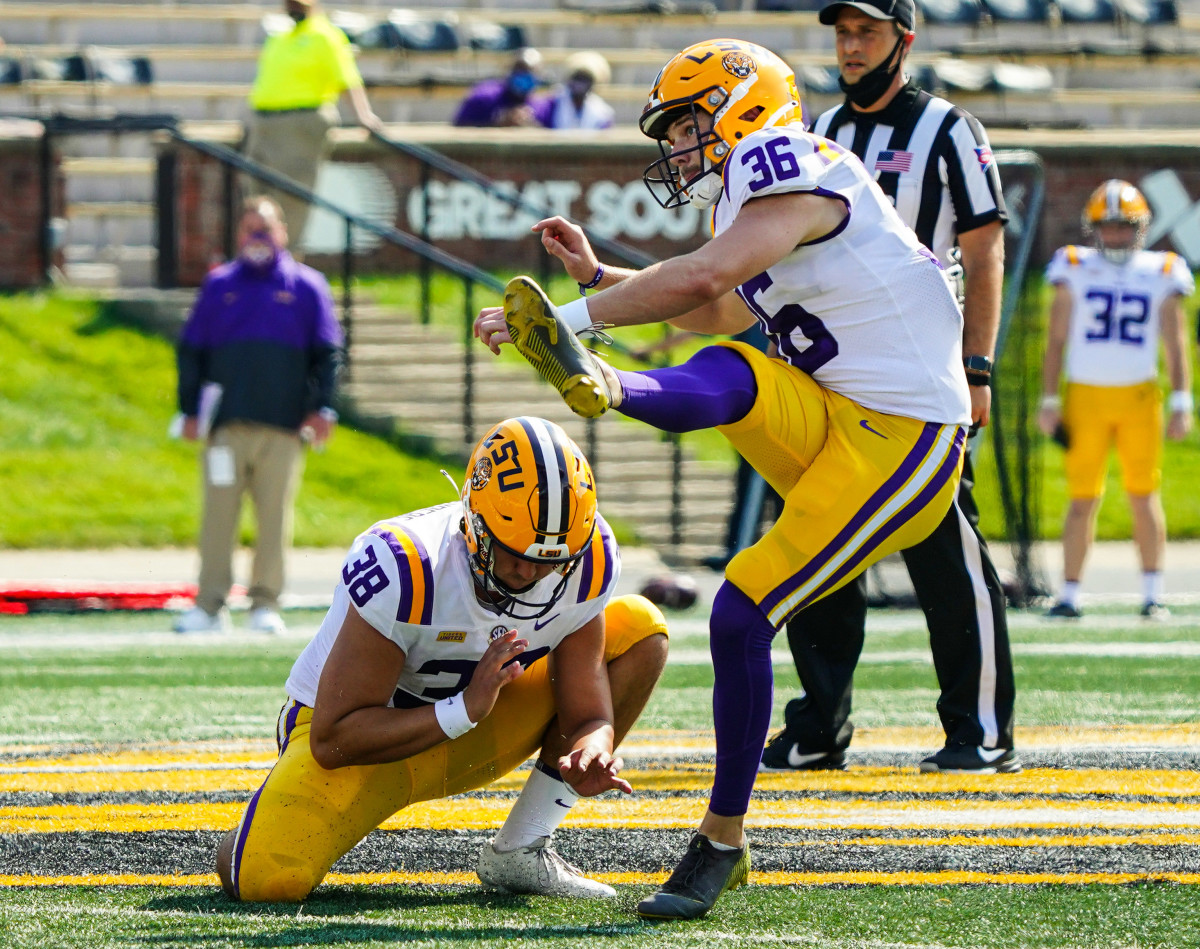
x,y
741,86
537,502
1116,202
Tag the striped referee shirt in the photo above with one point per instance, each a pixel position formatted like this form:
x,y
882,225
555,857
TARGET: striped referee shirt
x,y
931,158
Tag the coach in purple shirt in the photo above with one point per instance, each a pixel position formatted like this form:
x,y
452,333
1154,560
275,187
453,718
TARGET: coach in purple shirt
x,y
258,364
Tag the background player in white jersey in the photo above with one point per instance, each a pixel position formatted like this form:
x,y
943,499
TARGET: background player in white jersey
x,y
462,638
858,421
1112,302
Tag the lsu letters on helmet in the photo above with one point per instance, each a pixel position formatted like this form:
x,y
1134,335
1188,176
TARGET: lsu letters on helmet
x,y
743,87
529,490
1116,202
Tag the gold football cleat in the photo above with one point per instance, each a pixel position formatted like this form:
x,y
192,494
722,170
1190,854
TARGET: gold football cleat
x,y
552,349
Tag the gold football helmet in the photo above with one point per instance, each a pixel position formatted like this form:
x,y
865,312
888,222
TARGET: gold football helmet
x,y
743,86
529,490
1116,202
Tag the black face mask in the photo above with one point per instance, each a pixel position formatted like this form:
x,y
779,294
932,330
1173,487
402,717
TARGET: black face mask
x,y
299,16
867,91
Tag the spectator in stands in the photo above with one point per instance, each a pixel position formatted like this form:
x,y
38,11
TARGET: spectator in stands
x,y
576,105
263,330
301,74
1112,302
509,101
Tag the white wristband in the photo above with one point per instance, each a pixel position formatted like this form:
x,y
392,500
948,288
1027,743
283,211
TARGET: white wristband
x,y
1181,401
575,314
1051,402
452,716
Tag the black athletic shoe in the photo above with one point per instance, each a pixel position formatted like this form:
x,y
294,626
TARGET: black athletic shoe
x,y
1154,611
703,874
971,759
783,754
1062,610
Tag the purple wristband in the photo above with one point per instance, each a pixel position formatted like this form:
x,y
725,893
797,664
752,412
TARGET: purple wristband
x,y
585,287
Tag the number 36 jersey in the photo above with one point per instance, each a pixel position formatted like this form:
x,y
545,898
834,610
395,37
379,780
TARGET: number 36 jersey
x,y
865,310
409,577
1114,329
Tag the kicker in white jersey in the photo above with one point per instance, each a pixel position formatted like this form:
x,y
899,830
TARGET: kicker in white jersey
x,y
841,336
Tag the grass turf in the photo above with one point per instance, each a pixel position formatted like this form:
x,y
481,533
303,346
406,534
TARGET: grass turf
x,y
987,917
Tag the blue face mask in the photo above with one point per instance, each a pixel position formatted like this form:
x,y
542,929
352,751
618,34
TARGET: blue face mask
x,y
522,83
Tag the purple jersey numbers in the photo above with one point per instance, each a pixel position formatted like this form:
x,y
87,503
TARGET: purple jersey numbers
x,y
782,324
1118,315
364,578
776,160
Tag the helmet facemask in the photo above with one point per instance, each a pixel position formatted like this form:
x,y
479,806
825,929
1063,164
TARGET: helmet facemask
x,y
480,547
664,177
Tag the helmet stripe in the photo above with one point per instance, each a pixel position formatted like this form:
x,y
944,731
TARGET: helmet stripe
x,y
553,484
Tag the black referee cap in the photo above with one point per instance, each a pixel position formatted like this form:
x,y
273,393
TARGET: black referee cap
x,y
903,12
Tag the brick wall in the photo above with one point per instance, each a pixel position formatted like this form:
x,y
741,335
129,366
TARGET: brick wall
x,y
21,265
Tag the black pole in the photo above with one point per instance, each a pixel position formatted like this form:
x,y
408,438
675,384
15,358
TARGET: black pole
x,y
46,160
348,287
424,269
469,362
230,183
166,195
676,490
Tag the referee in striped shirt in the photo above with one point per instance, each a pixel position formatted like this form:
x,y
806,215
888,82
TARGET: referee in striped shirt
x,y
933,160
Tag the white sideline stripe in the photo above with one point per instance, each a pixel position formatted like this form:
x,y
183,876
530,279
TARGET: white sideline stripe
x,y
264,765
693,657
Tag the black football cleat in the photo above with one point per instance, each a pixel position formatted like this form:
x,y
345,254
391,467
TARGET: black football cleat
x,y
1154,610
702,875
783,754
970,759
1062,610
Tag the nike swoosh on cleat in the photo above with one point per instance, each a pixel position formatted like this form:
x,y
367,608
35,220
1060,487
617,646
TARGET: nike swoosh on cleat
x,y
797,760
867,425
560,803
991,754
538,624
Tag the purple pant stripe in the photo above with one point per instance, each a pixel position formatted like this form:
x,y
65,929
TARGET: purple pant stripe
x,y
240,843
912,461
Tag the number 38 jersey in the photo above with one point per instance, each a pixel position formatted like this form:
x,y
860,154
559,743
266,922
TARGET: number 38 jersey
x,y
866,310
409,577
1114,329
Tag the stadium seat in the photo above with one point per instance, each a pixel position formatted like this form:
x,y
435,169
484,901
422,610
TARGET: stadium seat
x,y
479,34
1149,12
351,23
790,6
413,31
657,7
950,11
957,75
818,80
1021,79
1019,11
1086,11
10,71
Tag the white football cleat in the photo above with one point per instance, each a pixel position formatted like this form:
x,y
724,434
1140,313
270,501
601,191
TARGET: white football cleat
x,y
266,620
539,870
198,620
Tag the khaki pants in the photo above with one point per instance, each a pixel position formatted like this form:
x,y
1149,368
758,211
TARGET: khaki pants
x,y
267,462
293,143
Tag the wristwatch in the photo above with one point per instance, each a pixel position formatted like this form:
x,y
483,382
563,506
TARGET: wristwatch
x,y
979,370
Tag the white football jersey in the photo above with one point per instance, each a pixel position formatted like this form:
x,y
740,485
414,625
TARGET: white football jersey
x,y
409,577
866,311
1114,331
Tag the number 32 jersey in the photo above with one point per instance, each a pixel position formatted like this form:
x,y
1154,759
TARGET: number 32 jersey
x,y
866,310
409,577
1114,330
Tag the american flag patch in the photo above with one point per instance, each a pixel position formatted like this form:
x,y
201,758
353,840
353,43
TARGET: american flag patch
x,y
984,154
893,161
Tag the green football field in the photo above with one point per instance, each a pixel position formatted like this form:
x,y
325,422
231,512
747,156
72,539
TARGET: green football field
x,y
126,752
